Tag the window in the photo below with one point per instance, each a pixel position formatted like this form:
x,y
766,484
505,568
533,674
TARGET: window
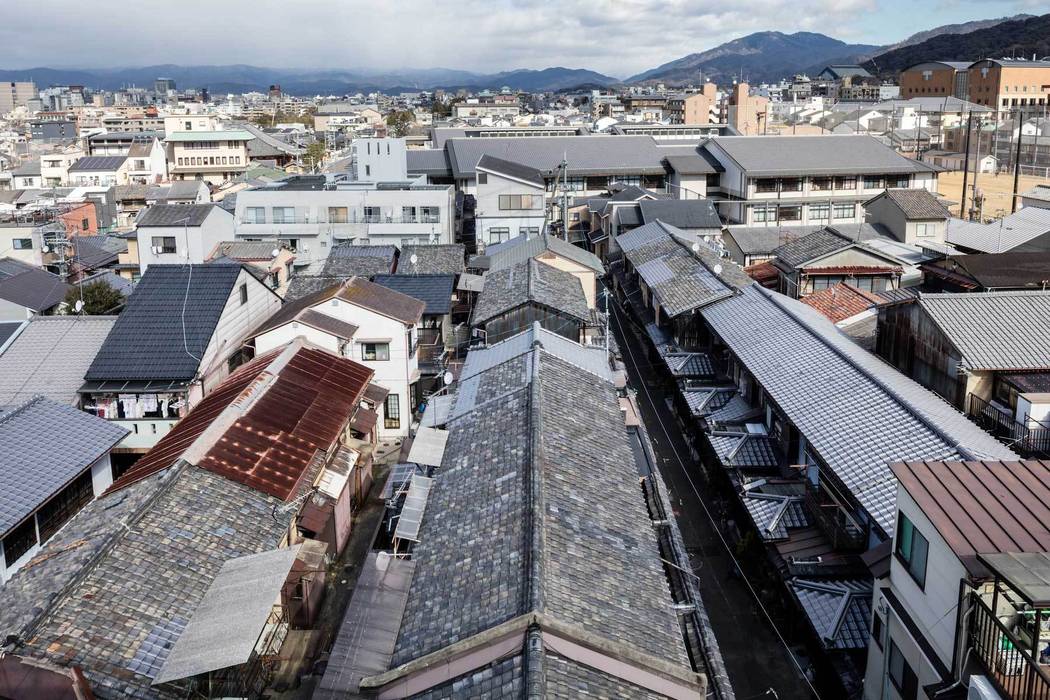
x,y
874,182
819,282
19,541
912,549
820,184
283,215
255,215
901,181
392,412
576,184
792,213
163,244
876,628
375,352
408,215
528,231
766,185
368,170
901,674
763,213
498,234
430,215
337,215
845,183
819,212
483,178
373,215
84,224
515,201
244,294
845,211
791,184
56,512
22,244
924,230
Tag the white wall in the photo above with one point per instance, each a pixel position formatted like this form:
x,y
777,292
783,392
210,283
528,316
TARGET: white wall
x,y
286,333
192,243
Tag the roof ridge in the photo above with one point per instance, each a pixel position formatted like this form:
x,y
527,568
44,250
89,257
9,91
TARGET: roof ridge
x,y
21,408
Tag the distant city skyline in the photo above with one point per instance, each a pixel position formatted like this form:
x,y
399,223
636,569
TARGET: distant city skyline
x,y
617,38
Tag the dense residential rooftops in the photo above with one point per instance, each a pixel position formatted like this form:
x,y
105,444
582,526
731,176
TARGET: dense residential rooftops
x,y
35,289
515,171
438,259
521,248
530,282
586,155
814,155
821,243
44,445
857,413
97,164
176,215
983,507
994,330
915,203
49,357
682,213
433,290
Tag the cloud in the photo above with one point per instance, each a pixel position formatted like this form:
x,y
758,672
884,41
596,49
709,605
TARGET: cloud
x,y
618,37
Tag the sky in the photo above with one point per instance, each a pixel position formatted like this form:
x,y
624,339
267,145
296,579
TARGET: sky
x,y
615,37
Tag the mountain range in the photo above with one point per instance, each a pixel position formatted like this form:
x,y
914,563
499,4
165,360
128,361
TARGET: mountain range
x,y
759,57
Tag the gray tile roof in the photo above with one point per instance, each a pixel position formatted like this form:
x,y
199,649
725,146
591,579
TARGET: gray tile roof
x,y
97,163
175,214
34,289
994,330
433,290
916,203
814,155
839,610
148,341
246,250
682,213
681,279
775,514
530,282
43,446
300,286
583,551
745,450
1000,236
50,357
628,216
586,155
143,582
521,248
762,240
365,260
700,164
511,169
382,300
855,411
444,259
819,244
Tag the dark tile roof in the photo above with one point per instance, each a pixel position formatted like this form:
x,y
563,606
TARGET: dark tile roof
x,y
97,251
580,550
987,271
702,163
821,242
148,340
175,215
530,282
96,163
364,260
683,213
511,169
300,286
10,267
814,155
447,259
916,203
34,289
762,240
433,290
382,300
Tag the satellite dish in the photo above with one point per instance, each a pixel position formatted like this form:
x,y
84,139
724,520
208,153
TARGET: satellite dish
x,y
45,249
275,252
79,306
696,246
414,259
718,269
447,378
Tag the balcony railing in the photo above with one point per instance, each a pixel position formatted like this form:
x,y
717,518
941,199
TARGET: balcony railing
x,y
833,521
352,218
1010,667
1029,441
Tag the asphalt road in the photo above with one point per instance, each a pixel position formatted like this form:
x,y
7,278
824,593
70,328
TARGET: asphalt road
x,y
756,657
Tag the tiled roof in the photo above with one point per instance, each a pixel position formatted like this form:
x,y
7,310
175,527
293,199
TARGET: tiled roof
x,y
682,213
511,169
530,282
35,289
300,286
447,259
689,364
745,450
152,339
816,155
364,260
694,164
762,240
915,203
175,215
841,301
580,549
97,163
856,412
839,610
1011,231
246,250
593,155
994,330
818,244
433,290
775,514
521,248
30,365
275,413
382,300
44,445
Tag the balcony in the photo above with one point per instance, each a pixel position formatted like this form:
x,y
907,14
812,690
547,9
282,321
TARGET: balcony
x,y
1007,659
1029,440
845,535
351,218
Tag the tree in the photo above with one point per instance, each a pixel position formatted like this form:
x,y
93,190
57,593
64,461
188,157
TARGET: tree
x,y
315,155
99,298
399,121
441,109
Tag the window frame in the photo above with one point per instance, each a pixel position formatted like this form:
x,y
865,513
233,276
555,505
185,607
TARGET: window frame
x,y
164,248
908,684
906,541
392,418
375,355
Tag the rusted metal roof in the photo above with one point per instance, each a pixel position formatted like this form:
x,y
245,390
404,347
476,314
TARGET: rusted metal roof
x,y
280,410
983,507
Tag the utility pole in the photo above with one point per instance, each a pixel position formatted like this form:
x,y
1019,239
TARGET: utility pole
x,y
1017,162
966,164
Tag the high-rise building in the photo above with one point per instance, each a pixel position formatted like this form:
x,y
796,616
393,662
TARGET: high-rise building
x,y
15,94
163,86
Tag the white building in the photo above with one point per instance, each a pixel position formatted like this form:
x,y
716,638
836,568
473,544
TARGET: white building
x,y
212,156
510,200
179,233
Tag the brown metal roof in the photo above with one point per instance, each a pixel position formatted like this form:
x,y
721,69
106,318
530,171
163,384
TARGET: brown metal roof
x,y
376,394
364,420
286,406
983,507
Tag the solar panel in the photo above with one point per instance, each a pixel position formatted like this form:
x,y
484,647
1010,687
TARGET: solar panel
x,y
412,512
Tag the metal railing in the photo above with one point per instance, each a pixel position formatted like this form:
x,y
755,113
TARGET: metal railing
x,y
1029,441
1012,669
352,218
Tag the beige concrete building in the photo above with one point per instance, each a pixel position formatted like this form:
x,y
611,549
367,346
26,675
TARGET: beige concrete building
x,y
15,94
212,156
1007,84
746,113
697,108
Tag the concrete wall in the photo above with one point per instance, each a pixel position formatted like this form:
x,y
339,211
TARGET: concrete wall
x,y
489,215
192,244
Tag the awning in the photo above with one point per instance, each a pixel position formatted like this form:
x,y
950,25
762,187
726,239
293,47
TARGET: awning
x,y
230,618
428,447
133,387
1027,573
364,420
437,412
470,283
412,513
400,474
376,394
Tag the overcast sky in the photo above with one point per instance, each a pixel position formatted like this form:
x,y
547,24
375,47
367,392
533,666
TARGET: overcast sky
x,y
616,37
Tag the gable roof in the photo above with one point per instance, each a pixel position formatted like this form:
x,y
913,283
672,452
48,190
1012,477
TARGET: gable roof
x,y
586,155
917,204
263,426
152,339
97,163
382,300
438,259
841,301
176,214
984,507
516,171
35,289
49,357
347,260
1009,232
301,285
994,330
762,240
44,445
530,282
521,248
819,244
814,155
433,290
681,213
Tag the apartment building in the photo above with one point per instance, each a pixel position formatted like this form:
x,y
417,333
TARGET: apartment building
x,y
212,156
745,112
15,94
696,108
1008,84
475,108
311,214
800,180
511,200
936,79
54,167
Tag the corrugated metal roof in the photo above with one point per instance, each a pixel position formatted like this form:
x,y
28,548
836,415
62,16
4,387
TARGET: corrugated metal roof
x,y
1000,236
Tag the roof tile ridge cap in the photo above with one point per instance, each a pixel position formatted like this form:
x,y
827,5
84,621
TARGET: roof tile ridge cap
x,y
965,452
21,408
535,531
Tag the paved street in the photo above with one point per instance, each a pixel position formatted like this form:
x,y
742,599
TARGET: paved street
x,y
755,657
